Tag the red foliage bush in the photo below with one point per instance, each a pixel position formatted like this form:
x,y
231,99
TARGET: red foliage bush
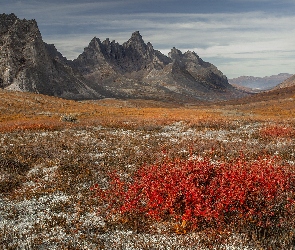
x,y
201,192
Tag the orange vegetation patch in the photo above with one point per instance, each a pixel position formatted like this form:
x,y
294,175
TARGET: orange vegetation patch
x,y
26,111
27,124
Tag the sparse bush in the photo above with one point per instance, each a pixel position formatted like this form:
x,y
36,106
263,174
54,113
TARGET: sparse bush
x,y
69,118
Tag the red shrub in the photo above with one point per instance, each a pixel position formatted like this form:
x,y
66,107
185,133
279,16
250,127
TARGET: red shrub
x,y
200,192
277,131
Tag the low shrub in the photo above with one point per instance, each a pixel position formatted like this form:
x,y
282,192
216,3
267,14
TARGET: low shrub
x,y
12,173
68,118
197,194
277,131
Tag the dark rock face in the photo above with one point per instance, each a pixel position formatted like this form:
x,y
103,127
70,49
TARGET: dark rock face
x,y
133,56
202,72
29,64
105,69
19,42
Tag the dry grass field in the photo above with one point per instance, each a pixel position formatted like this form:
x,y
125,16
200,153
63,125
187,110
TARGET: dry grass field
x,y
54,151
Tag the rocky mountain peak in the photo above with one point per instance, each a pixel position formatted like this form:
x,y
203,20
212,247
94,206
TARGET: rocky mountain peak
x,y
192,55
7,21
136,37
93,51
11,16
175,54
95,43
107,43
136,45
13,25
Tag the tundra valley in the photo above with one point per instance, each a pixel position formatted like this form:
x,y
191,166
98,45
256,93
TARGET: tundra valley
x,y
126,148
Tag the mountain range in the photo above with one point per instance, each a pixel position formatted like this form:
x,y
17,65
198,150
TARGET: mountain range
x,y
259,83
106,68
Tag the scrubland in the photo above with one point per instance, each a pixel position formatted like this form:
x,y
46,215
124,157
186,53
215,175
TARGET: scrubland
x,y
118,174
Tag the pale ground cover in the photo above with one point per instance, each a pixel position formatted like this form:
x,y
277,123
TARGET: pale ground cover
x,y
50,206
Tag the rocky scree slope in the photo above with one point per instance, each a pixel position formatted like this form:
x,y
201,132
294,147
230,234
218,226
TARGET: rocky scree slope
x,y
105,69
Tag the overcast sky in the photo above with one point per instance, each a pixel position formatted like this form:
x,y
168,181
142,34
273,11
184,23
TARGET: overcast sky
x,y
240,37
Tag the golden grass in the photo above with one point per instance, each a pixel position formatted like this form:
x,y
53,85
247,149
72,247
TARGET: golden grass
x,y
27,111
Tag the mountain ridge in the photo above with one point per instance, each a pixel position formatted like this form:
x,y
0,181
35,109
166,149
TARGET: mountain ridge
x,y
259,83
106,68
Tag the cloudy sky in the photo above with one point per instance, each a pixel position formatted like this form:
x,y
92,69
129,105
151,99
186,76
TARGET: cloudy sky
x,y
240,37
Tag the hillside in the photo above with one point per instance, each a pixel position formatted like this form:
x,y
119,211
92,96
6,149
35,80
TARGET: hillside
x,y
290,82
